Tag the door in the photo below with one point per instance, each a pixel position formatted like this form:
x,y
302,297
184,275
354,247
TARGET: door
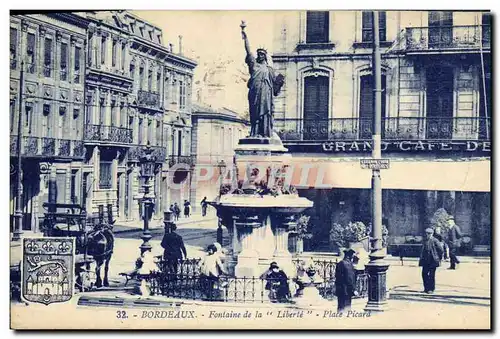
x,y
440,29
439,102
315,108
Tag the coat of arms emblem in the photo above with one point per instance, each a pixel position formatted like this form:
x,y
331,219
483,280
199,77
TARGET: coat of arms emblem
x,y
48,269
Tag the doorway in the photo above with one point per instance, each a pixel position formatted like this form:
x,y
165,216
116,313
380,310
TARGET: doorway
x,y
439,103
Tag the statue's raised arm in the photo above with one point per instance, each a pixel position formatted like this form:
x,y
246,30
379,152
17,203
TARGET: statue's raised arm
x,y
244,37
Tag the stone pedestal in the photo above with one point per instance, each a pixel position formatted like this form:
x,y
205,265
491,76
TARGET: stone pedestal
x,y
248,259
283,257
377,285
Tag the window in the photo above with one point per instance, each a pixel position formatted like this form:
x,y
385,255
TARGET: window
x,y
150,80
182,95
141,132
124,50
64,61
158,82
141,77
47,61
367,28
13,48
78,52
366,107
132,71
113,53
103,50
317,26
150,137
158,133
486,29
46,109
105,174
102,112
440,29
28,108
30,53
316,102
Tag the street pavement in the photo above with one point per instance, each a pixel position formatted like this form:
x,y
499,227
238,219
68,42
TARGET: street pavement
x,y
462,298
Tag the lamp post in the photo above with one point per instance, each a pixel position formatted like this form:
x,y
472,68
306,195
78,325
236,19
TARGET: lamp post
x,y
147,162
18,213
377,267
222,170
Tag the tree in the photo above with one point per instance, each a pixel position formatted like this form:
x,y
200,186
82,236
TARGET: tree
x,y
440,219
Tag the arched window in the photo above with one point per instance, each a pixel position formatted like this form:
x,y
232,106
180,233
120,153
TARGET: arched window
x,y
316,99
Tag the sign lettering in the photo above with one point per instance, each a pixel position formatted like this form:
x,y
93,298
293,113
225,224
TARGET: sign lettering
x,y
374,164
407,146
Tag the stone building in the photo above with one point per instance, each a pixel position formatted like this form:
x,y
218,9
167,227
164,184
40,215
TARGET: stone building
x,y
216,133
49,51
98,87
436,108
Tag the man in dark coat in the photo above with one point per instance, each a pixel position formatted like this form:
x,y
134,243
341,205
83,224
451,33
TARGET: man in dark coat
x,y
174,249
204,205
277,283
177,211
345,281
431,255
454,236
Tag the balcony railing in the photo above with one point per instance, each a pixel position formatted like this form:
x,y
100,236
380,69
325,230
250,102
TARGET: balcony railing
x,y
447,38
108,134
180,159
146,98
135,153
47,147
392,129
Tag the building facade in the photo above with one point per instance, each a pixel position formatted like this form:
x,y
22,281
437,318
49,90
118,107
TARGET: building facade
x,y
98,88
436,109
47,68
216,133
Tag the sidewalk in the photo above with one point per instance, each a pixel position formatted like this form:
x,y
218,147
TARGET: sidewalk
x,y
136,225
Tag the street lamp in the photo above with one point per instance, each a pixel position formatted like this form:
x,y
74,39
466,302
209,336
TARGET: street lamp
x,y
147,162
222,170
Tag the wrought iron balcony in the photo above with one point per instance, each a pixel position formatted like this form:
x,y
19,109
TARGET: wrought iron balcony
x,y
446,38
47,147
135,152
392,129
180,159
110,134
145,98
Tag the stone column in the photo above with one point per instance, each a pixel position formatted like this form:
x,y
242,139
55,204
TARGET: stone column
x,y
134,202
248,260
282,224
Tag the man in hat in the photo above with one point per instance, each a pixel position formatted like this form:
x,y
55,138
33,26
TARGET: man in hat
x,y
454,239
430,258
345,281
173,245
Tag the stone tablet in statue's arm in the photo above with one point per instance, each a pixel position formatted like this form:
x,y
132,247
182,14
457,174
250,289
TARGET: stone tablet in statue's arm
x,y
278,83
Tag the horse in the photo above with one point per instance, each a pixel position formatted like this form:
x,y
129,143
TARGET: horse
x,y
100,244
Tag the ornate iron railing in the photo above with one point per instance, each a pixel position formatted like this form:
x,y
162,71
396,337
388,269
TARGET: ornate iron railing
x,y
412,128
47,147
148,98
183,279
180,159
159,152
108,134
447,37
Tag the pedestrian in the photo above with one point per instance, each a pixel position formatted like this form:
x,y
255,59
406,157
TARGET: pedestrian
x,y
177,211
174,249
277,283
439,236
210,270
187,209
204,205
429,260
454,241
345,281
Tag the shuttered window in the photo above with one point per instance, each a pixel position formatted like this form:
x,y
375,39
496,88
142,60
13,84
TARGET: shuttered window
x,y
31,53
317,26
367,26
64,61
366,108
440,29
47,63
13,48
105,175
315,108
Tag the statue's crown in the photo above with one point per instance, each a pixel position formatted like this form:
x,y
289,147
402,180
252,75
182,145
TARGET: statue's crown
x,y
262,49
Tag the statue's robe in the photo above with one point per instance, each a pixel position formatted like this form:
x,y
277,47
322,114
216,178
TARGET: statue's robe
x,y
262,85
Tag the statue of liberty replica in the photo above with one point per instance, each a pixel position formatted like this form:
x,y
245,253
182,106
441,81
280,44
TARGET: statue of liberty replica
x,y
264,83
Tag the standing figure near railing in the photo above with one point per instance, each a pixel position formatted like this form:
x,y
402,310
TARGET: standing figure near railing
x,y
174,249
345,281
210,270
262,85
277,284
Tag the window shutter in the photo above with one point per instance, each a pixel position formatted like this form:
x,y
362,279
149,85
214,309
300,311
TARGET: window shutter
x,y
317,26
367,26
13,40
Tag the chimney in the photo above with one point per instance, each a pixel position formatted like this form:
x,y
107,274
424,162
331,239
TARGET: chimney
x,y
171,47
180,44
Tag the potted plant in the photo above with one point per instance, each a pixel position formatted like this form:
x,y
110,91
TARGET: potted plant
x,y
299,233
351,235
440,219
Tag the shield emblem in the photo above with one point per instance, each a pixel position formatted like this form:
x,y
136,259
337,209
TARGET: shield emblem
x,y
48,269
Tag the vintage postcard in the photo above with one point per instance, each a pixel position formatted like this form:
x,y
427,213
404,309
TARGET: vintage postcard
x,y
250,169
